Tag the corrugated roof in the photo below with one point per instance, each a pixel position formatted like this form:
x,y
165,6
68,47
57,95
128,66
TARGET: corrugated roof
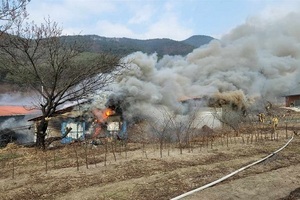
x,y
186,98
63,109
293,92
14,110
56,113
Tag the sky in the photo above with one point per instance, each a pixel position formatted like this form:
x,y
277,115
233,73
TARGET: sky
x,y
149,19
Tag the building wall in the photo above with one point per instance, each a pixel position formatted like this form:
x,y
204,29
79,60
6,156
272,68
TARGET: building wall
x,y
291,101
202,114
207,116
53,129
77,132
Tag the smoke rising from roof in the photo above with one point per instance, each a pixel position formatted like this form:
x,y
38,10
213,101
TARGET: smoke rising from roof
x,y
260,59
19,128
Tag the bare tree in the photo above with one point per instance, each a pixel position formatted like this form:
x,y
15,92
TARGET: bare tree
x,y
10,10
40,58
160,130
232,117
179,129
183,126
192,123
160,127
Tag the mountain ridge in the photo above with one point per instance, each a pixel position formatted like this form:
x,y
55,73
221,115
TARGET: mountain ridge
x,y
123,46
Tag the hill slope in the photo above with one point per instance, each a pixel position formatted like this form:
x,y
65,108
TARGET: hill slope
x,y
125,46
198,40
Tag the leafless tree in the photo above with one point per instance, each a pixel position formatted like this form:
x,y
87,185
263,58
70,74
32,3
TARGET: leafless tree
x,y
197,122
170,127
38,57
11,10
179,129
231,117
160,127
184,126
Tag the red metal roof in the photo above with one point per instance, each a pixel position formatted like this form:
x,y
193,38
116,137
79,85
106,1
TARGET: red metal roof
x,y
14,110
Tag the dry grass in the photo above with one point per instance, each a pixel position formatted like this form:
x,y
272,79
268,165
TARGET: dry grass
x,y
87,172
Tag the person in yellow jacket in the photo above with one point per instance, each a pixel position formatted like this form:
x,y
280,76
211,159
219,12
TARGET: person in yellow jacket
x,y
274,122
261,117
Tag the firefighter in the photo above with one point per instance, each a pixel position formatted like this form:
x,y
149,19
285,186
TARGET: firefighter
x,y
274,122
261,117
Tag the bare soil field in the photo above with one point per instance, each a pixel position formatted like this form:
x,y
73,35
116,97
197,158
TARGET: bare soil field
x,y
138,171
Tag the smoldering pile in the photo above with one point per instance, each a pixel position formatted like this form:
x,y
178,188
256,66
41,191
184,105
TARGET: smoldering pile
x,y
7,136
10,136
235,99
14,130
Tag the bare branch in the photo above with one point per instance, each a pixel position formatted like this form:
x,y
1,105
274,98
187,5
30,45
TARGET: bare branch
x,y
11,11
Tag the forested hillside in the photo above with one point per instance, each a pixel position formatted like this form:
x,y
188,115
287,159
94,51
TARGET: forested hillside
x,y
121,47
125,46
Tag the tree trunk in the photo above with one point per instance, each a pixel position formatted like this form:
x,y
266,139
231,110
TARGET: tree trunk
x,y
41,141
41,133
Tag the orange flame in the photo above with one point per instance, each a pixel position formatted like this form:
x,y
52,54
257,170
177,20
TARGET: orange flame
x,y
108,112
102,115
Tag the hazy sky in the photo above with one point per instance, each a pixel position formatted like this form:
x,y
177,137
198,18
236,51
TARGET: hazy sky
x,y
147,19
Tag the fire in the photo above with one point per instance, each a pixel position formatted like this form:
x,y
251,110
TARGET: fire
x,y
102,115
108,112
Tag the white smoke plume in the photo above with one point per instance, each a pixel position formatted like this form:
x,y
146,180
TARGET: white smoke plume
x,y
21,127
259,59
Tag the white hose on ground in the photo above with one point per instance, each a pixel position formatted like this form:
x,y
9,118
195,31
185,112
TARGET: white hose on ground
x,y
231,174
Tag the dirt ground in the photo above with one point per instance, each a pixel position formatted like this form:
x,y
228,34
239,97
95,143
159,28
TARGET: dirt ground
x,y
139,172
275,184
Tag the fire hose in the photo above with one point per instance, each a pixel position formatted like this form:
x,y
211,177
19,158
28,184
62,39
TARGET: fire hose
x,y
231,174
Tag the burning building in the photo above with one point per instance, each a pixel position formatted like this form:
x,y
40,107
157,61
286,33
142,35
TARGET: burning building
x,y
14,126
72,118
81,120
293,99
109,122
